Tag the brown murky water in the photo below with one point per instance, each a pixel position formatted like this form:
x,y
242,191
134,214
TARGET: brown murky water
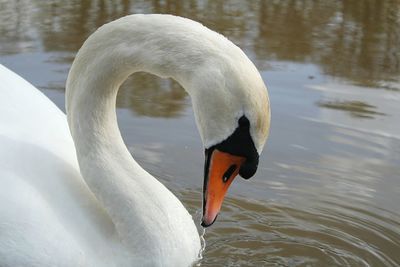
x,y
328,189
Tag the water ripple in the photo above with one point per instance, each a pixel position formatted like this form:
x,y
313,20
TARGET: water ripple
x,y
252,233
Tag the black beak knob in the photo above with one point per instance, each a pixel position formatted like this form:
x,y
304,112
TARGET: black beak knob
x,y
248,168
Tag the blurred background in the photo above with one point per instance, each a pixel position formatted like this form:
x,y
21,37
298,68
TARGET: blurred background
x,y
327,192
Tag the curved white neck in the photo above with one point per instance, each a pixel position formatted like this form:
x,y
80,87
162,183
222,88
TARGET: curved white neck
x,y
135,201
144,212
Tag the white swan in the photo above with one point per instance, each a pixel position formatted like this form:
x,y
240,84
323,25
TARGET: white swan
x,y
108,211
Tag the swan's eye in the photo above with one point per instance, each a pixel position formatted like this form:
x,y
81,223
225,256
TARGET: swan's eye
x,y
229,173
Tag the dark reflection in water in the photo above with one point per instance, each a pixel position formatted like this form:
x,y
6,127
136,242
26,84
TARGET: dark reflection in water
x,y
327,189
355,108
149,96
355,40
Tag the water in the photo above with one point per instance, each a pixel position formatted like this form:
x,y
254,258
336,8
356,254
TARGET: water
x,y
203,246
328,189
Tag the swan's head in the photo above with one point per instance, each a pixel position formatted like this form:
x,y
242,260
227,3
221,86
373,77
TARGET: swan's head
x,y
232,111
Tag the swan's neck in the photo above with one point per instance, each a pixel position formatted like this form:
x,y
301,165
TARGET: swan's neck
x,y
218,77
146,215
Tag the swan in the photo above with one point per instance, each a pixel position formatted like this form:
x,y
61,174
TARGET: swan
x,y
70,192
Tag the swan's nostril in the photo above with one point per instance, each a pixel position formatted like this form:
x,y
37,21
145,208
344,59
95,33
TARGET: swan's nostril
x,y
229,172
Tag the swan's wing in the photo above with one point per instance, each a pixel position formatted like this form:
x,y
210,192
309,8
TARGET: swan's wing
x,y
26,115
46,209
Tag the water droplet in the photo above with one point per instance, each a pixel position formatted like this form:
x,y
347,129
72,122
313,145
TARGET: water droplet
x,y
203,247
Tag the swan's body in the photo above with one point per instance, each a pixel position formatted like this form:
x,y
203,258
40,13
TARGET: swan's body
x,y
106,210
45,206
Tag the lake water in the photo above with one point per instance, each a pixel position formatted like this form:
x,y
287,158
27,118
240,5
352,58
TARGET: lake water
x,y
327,192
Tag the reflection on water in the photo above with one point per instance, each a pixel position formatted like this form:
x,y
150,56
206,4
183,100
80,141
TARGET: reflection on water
x,y
327,190
359,41
355,108
356,40
149,96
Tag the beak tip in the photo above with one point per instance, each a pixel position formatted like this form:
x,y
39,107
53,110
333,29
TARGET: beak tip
x,y
203,224
206,223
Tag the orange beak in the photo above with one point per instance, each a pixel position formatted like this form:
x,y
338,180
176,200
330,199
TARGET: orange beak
x,y
220,170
